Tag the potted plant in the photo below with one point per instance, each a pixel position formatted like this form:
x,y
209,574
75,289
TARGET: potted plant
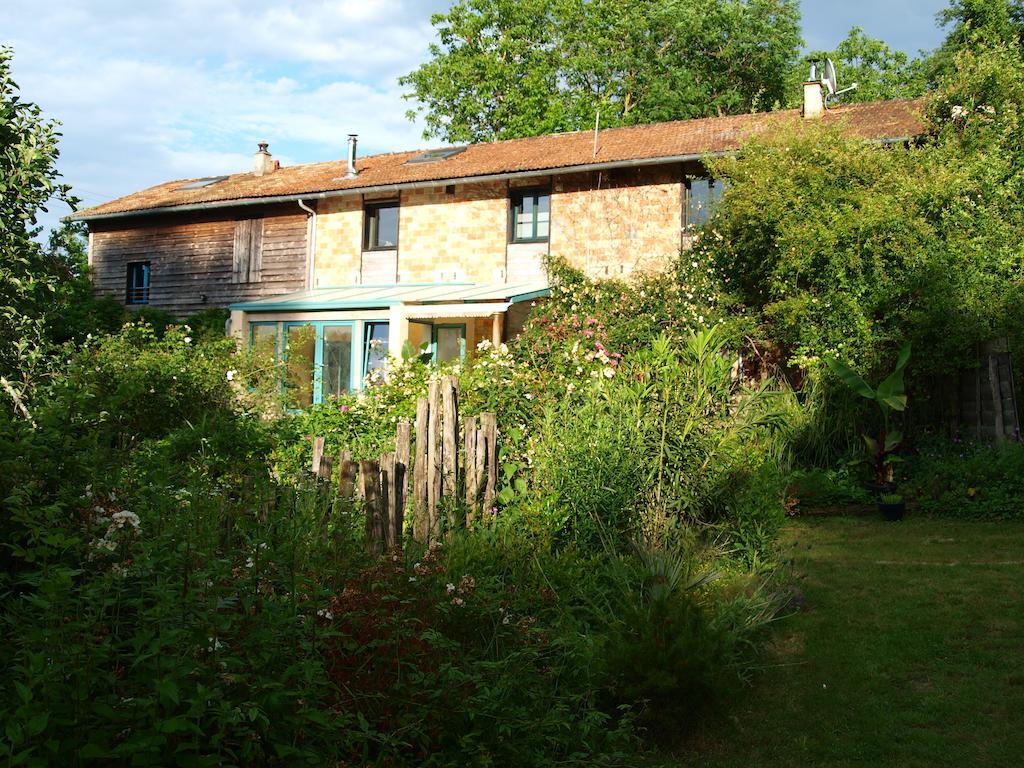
x,y
892,506
889,396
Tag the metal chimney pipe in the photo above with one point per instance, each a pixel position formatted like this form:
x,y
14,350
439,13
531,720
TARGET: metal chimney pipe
x,y
352,172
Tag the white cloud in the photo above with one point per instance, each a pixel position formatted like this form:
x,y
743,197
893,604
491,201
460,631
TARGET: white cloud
x,y
152,92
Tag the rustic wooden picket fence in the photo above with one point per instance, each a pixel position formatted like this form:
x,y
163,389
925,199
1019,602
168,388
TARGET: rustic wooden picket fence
x,y
440,470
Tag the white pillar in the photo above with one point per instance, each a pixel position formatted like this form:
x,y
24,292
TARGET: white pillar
x,y
238,326
398,330
497,328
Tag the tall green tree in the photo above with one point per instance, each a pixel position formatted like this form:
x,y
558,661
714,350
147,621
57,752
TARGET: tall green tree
x,y
29,279
847,249
973,25
879,71
512,68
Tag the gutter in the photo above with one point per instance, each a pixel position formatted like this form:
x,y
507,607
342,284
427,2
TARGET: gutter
x,y
383,188
310,241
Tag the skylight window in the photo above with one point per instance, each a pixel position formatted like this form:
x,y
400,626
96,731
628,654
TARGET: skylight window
x,y
200,183
432,155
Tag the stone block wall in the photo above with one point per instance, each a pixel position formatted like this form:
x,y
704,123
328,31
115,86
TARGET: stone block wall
x,y
614,223
609,223
339,240
461,233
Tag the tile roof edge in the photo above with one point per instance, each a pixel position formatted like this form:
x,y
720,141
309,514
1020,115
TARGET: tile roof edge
x,y
84,214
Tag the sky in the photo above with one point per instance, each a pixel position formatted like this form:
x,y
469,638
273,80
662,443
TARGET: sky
x,y
148,92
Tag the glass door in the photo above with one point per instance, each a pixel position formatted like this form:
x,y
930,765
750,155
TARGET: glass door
x,y
449,343
301,352
320,361
337,361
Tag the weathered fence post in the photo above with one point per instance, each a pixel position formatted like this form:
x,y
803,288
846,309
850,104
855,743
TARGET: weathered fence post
x,y
370,475
489,429
403,440
387,500
346,475
469,468
449,441
420,495
318,454
433,458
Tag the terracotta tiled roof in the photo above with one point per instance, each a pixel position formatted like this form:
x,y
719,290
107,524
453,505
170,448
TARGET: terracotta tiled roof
x,y
642,143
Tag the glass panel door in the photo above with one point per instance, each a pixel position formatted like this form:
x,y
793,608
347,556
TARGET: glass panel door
x,y
263,342
300,356
376,347
449,342
337,361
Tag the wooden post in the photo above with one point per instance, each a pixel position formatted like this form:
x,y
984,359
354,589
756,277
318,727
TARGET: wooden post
x,y
326,468
433,458
346,475
469,468
421,523
489,425
318,453
449,441
388,506
403,440
370,471
481,465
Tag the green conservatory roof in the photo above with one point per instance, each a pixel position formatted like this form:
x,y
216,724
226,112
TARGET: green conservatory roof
x,y
378,296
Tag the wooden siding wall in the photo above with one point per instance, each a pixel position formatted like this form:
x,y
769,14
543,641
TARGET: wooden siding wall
x,y
192,256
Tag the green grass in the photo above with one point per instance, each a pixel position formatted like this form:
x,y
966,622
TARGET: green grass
x,y
909,652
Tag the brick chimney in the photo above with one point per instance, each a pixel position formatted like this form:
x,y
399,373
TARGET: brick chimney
x,y
814,99
262,162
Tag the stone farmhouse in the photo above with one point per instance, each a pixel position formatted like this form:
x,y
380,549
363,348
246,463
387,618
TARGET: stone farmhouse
x,y
335,265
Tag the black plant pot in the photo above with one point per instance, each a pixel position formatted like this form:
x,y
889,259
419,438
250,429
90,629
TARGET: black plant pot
x,y
892,511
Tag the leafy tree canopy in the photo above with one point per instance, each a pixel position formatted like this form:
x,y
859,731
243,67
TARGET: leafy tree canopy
x,y
512,68
30,275
848,249
879,71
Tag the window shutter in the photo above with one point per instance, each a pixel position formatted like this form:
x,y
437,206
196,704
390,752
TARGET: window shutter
x,y
247,253
255,250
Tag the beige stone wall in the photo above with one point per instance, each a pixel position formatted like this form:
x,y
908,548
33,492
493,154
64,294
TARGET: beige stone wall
x,y
614,223
339,241
447,236
610,224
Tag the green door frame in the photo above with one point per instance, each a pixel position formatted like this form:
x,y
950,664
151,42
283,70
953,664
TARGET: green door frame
x,y
318,346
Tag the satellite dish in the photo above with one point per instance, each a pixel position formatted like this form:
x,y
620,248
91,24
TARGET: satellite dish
x,y
828,77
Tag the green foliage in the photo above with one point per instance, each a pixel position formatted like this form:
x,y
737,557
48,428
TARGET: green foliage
x,y
845,249
668,440
890,395
29,280
967,480
506,69
816,489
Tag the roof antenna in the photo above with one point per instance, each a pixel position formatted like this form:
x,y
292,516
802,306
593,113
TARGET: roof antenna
x,y
597,126
828,79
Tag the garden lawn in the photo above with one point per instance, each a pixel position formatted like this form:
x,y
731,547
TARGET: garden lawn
x,y
909,652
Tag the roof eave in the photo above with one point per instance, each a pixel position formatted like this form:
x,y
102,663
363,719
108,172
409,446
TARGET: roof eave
x,y
381,188
384,188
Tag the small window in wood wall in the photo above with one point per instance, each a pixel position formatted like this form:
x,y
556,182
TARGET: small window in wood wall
x,y
247,259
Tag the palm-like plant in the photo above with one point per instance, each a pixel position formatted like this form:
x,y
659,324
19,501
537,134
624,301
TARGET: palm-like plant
x,y
889,396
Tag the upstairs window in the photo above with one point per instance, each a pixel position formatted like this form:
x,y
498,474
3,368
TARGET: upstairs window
x,y
531,216
138,283
247,253
702,196
380,226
